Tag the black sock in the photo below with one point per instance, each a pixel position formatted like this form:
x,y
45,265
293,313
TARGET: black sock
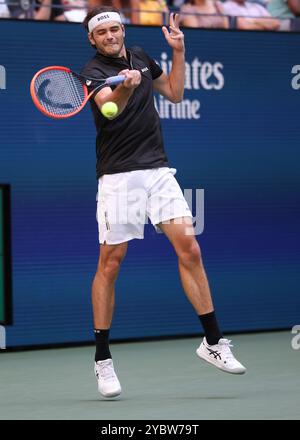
x,y
102,346
211,328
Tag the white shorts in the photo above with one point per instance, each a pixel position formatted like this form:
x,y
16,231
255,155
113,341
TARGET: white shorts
x,y
125,200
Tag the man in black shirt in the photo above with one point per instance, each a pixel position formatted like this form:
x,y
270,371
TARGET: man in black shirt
x,y
135,181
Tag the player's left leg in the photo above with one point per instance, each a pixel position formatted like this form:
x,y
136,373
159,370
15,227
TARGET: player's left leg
x,y
214,348
191,269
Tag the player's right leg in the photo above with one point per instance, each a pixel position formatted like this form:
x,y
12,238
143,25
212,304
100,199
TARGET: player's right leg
x,y
103,298
121,210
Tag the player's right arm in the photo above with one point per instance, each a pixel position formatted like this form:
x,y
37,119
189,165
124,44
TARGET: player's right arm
x,y
121,94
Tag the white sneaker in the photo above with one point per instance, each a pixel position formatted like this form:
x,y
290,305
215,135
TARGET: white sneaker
x,y
220,356
108,383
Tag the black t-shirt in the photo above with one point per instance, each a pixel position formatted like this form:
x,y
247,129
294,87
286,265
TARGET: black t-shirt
x,y
133,140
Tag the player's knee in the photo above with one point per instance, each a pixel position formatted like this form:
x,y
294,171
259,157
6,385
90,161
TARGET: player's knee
x,y
110,268
110,265
190,254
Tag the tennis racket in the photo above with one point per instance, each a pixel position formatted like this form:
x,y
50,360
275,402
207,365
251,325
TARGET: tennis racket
x,y
60,93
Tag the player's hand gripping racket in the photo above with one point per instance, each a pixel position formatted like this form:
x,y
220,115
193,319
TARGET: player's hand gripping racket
x,y
60,93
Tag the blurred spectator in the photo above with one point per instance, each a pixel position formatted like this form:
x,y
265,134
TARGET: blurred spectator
x,y
149,12
44,10
126,8
264,3
74,10
212,19
176,3
242,8
40,10
4,11
25,9
285,10
294,6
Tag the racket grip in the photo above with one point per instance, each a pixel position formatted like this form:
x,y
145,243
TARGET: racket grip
x,y
114,80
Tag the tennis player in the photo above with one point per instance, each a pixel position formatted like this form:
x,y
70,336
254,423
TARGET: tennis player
x,y
135,181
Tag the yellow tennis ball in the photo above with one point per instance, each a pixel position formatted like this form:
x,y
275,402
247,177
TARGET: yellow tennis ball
x,y
109,109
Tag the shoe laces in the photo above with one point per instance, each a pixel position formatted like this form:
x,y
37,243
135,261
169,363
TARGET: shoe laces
x,y
225,345
106,369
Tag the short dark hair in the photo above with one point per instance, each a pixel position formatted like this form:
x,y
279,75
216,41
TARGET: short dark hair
x,y
95,11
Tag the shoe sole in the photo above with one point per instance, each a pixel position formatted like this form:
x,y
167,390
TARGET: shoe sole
x,y
110,395
115,394
208,360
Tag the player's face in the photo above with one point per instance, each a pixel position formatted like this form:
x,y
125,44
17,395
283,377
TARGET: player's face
x,y
108,38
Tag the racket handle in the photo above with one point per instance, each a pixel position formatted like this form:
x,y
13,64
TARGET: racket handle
x,y
114,80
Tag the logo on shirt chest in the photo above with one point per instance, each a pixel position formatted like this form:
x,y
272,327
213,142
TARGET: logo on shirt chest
x,y
144,69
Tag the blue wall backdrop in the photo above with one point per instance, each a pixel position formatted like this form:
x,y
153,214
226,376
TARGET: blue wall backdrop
x,y
236,135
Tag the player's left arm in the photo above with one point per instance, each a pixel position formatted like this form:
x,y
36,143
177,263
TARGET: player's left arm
x,y
172,86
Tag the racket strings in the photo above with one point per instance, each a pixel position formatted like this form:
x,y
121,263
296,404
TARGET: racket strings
x,y
59,92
